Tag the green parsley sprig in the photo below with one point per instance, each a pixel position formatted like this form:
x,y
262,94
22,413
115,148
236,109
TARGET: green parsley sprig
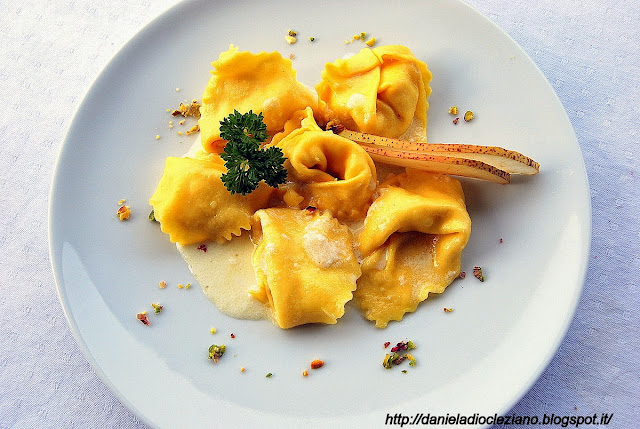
x,y
246,162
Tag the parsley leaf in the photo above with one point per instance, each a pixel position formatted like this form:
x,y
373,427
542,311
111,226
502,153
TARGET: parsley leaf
x,y
246,162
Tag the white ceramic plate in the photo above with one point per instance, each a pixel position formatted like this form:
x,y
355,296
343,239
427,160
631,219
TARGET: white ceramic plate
x,y
481,358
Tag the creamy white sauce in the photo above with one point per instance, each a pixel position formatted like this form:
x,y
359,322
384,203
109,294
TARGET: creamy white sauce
x,y
225,274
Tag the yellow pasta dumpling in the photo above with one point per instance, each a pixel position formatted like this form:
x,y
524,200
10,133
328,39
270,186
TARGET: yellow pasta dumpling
x,y
381,91
412,241
264,83
305,265
327,171
193,206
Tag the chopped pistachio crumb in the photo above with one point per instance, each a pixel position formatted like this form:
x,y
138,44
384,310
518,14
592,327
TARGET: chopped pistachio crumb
x,y
477,272
453,110
216,352
157,308
193,129
187,286
412,360
142,317
292,33
468,115
268,375
400,354
311,39
124,212
152,216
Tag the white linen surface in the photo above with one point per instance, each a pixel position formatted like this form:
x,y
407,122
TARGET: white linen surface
x,y
50,53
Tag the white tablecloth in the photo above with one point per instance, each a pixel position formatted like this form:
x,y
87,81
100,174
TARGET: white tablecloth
x,y
51,51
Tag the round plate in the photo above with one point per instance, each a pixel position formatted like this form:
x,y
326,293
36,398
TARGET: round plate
x,y
531,237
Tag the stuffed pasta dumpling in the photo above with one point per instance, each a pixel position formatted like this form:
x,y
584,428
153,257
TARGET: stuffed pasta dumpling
x,y
193,206
412,241
381,91
305,265
325,170
243,81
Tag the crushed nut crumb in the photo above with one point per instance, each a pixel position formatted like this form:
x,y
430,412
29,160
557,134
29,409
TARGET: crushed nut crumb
x,y
124,212
142,317
216,352
193,129
468,115
477,272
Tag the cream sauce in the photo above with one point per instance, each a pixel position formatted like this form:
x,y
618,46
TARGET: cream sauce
x,y
225,274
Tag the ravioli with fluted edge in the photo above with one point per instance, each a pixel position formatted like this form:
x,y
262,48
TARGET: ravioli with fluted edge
x,y
327,171
305,265
412,242
243,81
381,91
193,206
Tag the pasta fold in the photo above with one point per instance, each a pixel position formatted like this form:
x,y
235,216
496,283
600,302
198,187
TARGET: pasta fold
x,y
381,91
243,81
305,265
193,206
412,241
327,171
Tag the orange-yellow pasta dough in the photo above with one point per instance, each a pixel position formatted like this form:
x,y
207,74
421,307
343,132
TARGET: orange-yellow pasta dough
x,y
327,171
412,241
381,91
243,81
305,265
193,206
